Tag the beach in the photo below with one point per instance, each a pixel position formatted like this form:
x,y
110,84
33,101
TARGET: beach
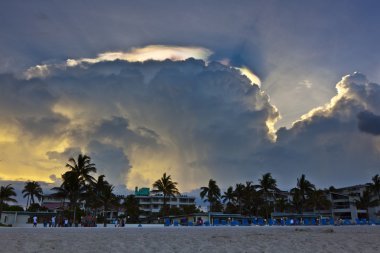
x,y
192,239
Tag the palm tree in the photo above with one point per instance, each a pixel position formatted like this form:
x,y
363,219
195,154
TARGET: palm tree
x,y
229,196
107,198
239,195
267,187
78,179
318,200
297,199
60,193
365,201
74,188
168,188
132,206
82,167
375,186
6,194
250,200
32,189
305,190
281,204
210,193
93,192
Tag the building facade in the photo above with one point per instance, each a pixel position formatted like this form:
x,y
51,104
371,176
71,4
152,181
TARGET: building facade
x,y
344,203
343,206
150,203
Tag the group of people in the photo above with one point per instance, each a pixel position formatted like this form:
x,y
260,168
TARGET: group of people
x,y
119,222
52,222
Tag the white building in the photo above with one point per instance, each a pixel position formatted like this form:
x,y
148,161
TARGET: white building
x,y
24,218
344,203
150,202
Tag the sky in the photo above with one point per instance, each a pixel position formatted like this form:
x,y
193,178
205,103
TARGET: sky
x,y
227,90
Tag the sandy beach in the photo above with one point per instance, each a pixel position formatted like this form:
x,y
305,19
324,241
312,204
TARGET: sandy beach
x,y
192,239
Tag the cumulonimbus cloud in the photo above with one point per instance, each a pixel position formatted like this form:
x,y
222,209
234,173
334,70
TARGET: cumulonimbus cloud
x,y
192,119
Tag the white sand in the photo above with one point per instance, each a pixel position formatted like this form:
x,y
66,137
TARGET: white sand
x,y
192,239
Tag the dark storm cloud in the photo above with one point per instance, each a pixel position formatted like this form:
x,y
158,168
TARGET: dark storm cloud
x,y
369,123
24,98
202,120
284,43
110,160
118,129
44,126
198,114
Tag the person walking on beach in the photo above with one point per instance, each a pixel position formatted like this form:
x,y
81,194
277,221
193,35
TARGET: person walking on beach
x,y
53,221
35,221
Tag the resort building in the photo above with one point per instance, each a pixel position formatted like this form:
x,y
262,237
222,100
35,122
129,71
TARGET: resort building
x,y
343,206
344,203
55,204
150,203
58,205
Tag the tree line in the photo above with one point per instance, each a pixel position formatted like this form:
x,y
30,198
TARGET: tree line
x,y
264,198
80,187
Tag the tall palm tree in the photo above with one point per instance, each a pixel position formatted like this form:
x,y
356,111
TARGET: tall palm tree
x,y
229,199
239,195
6,194
267,187
375,187
82,167
78,179
305,189
210,193
250,199
32,189
75,189
93,192
107,198
168,188
229,196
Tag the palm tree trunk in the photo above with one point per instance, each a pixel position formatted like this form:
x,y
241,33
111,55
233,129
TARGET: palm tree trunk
x,y
1,209
75,212
164,207
105,219
27,202
267,206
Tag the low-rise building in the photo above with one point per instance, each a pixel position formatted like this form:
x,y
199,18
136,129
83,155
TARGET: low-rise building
x,y
343,206
344,203
150,202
